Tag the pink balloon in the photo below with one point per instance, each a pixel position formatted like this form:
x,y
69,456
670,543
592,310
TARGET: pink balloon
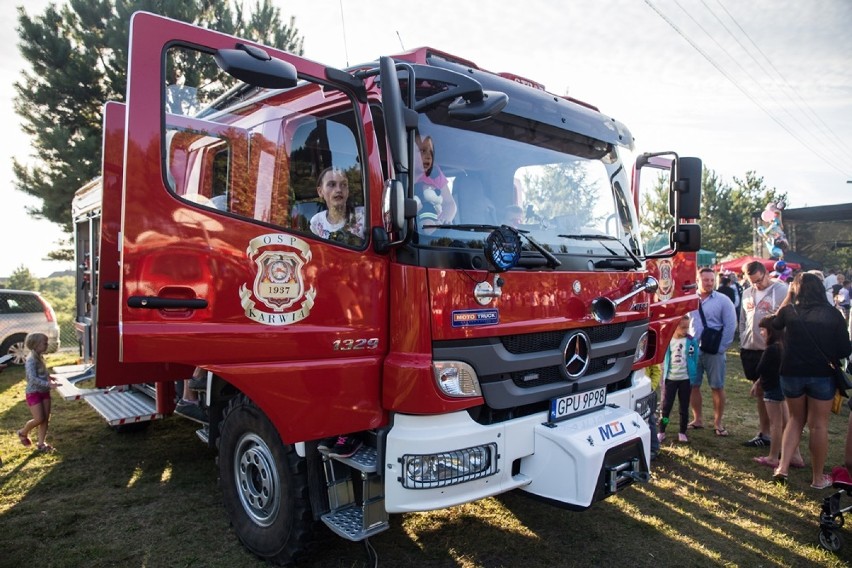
x,y
767,215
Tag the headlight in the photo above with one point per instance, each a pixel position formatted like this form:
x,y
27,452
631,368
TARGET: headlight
x,y
456,379
641,348
426,471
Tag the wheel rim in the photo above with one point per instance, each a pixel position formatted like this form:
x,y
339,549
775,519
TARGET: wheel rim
x,y
258,484
19,352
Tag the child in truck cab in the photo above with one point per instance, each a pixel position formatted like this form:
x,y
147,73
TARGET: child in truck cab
x,y
680,368
340,221
435,203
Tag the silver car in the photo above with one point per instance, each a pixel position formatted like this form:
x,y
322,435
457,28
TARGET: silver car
x,y
23,312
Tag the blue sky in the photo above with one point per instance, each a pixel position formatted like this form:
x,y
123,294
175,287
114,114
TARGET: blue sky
x,y
764,85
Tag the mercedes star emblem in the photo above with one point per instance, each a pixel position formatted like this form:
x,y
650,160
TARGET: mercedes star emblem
x,y
577,355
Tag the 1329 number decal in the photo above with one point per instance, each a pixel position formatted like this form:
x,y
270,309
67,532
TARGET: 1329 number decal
x,y
354,344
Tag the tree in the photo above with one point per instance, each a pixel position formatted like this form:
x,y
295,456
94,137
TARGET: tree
x,y
23,279
561,190
78,56
726,211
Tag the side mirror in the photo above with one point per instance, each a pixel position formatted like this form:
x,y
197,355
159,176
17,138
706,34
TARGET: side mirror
x,y
254,66
489,105
686,237
393,206
686,188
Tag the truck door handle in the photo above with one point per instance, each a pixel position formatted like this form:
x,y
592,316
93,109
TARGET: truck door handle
x,y
692,286
155,303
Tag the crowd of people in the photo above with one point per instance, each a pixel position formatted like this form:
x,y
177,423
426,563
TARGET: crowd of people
x,y
793,336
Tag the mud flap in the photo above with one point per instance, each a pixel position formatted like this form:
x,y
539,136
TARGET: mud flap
x,y
586,459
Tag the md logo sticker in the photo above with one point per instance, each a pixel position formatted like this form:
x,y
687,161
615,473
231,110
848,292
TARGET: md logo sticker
x,y
467,318
611,430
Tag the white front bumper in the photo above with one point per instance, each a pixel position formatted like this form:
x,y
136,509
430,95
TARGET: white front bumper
x,y
565,462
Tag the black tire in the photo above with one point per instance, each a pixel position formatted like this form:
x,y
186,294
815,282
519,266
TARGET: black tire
x,y
14,345
830,540
264,485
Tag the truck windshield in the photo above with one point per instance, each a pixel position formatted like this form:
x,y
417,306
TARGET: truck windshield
x,y
568,191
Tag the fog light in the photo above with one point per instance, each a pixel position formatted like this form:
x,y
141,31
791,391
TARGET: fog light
x,y
426,471
646,406
641,348
456,379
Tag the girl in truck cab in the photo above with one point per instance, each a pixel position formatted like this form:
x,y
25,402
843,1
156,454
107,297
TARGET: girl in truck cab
x,y
340,221
432,189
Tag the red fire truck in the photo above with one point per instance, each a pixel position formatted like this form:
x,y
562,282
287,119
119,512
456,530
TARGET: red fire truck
x,y
497,343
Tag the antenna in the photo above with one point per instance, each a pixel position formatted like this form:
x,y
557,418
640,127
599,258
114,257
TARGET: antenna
x,y
400,40
343,23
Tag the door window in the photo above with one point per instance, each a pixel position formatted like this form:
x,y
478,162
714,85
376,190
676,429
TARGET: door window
x,y
260,154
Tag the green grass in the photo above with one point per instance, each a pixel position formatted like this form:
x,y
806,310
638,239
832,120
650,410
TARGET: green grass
x,y
151,499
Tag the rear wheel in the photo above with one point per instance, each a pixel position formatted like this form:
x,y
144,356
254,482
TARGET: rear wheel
x,y
264,485
15,346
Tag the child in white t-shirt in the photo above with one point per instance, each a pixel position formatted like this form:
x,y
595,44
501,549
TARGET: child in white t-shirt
x,y
680,368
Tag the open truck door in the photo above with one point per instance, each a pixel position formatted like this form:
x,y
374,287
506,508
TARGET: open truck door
x,y
223,146
110,370
671,258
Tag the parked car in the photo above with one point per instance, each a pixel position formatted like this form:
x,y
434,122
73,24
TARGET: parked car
x,y
23,312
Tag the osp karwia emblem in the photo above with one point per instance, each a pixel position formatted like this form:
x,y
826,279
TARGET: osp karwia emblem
x,y
665,289
279,284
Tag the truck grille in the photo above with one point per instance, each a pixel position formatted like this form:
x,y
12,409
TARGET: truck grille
x,y
546,340
548,375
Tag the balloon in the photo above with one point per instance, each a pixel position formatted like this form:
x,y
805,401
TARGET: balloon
x,y
767,215
777,252
761,230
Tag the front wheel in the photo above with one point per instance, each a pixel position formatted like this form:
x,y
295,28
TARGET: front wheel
x,y
264,485
830,540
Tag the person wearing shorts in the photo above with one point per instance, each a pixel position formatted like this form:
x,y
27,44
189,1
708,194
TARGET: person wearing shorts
x,y
719,314
814,335
761,299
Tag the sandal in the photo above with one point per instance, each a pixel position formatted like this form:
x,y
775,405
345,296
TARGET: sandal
x,y
682,439
780,478
798,465
721,432
826,483
694,426
45,448
765,460
24,440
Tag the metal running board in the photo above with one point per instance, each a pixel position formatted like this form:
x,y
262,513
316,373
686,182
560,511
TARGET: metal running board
x,y
69,376
365,459
349,519
127,407
349,522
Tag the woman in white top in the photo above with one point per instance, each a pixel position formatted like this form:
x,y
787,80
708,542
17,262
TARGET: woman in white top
x,y
341,221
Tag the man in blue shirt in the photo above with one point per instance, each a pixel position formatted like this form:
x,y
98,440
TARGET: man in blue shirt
x,y
719,313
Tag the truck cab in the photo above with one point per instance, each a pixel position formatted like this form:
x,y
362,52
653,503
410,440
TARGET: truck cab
x,y
481,316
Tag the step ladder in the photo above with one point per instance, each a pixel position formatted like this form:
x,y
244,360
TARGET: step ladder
x,y
117,405
354,517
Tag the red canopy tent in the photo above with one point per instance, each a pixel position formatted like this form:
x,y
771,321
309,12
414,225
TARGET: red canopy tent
x,y
736,264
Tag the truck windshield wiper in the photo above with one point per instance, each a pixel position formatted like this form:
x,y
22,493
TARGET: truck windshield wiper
x,y
552,261
600,238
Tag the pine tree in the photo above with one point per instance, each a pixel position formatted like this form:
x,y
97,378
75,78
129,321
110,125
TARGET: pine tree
x,y
77,56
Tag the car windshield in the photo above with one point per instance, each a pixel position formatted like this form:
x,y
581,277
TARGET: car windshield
x,y
568,192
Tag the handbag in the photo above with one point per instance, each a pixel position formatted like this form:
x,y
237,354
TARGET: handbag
x,y
841,379
711,339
